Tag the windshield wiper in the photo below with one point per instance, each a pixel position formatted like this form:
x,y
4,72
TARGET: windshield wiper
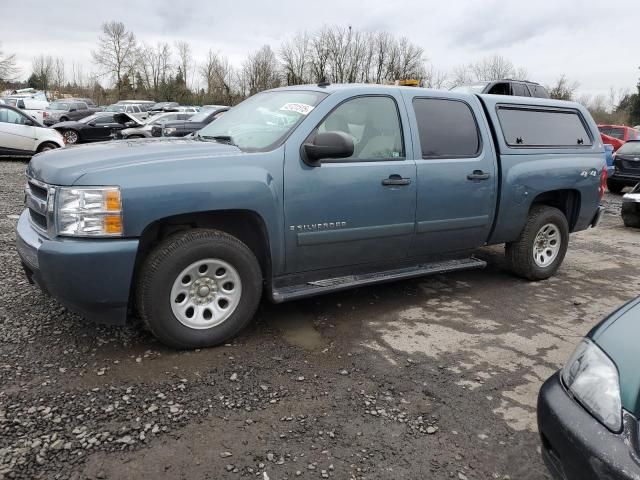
x,y
220,139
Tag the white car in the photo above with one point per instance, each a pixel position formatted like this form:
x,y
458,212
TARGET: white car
x,y
22,136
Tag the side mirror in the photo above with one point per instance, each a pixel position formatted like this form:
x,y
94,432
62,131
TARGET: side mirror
x,y
327,145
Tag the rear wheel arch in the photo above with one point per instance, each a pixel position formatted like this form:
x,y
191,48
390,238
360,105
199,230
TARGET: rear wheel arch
x,y
567,201
47,145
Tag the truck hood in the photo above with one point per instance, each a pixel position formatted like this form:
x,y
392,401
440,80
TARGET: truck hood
x,y
65,166
618,337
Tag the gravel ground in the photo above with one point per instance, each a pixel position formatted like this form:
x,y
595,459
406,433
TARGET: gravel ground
x,y
428,378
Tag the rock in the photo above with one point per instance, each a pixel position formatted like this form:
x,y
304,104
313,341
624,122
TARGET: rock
x,y
431,430
152,408
226,454
101,474
57,445
234,377
344,372
270,456
462,476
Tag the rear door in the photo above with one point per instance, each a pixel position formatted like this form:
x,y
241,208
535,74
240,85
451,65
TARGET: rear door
x,y
100,129
456,169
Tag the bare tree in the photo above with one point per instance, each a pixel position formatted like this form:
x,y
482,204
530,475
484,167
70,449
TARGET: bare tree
x,y
154,63
59,74
43,69
261,70
295,57
435,78
563,89
219,77
185,58
8,69
116,52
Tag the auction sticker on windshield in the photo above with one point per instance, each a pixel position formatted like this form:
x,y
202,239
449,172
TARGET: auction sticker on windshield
x,y
301,108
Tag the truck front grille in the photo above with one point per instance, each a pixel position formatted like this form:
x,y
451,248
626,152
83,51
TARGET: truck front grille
x,y
39,199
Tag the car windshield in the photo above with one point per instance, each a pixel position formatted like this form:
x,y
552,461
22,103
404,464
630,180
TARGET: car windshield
x,y
115,108
58,106
630,148
475,88
262,121
615,132
89,118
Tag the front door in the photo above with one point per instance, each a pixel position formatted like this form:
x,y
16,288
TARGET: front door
x,y
356,210
17,133
457,179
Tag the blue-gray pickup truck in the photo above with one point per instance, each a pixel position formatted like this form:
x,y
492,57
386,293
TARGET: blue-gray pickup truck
x,y
306,190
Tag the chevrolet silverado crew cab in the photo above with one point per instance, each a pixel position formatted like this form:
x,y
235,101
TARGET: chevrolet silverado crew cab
x,y
306,190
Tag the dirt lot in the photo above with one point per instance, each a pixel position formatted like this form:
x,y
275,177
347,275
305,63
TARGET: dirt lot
x,y
430,378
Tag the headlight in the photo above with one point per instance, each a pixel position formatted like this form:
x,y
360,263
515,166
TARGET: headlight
x,y
169,130
89,212
594,381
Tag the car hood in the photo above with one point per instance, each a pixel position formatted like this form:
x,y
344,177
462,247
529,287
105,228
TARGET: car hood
x,y
66,166
618,337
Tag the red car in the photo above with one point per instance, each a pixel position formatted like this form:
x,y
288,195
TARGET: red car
x,y
621,132
614,142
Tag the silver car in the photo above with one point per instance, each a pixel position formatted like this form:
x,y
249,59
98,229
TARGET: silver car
x,y
144,131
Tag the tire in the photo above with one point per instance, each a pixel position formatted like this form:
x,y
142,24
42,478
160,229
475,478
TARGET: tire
x,y
543,222
63,119
71,137
630,215
47,146
164,294
614,187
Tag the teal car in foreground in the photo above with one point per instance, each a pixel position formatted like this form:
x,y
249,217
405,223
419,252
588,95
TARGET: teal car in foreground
x,y
588,412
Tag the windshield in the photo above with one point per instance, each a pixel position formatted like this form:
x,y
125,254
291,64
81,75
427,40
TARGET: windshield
x,y
475,88
615,132
90,118
58,106
262,121
115,108
630,148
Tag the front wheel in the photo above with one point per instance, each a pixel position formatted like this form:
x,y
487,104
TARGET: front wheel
x,y
71,137
199,288
540,249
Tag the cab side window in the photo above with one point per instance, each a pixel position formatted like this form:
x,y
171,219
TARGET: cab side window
x,y
374,125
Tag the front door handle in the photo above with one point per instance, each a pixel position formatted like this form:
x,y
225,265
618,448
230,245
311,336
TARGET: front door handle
x,y
395,180
478,175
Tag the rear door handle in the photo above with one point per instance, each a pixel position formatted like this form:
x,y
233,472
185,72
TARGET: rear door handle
x,y
478,175
395,180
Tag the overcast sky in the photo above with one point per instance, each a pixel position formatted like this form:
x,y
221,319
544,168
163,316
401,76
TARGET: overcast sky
x,y
593,42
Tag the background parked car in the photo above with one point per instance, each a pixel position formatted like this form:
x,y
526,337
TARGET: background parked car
x,y
144,131
621,132
520,88
626,162
65,110
185,127
608,155
162,107
587,413
22,136
97,127
614,142
631,208
33,107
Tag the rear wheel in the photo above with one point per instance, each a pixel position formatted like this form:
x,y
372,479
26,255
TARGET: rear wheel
x,y
614,187
134,136
70,136
199,288
540,249
64,119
